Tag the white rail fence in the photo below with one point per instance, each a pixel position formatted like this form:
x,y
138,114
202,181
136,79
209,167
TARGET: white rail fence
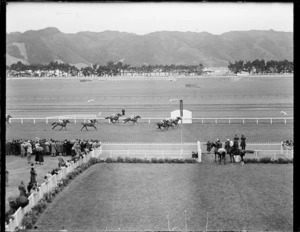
x,y
46,187
72,119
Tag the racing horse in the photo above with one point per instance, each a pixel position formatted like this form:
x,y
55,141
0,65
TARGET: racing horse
x,y
175,121
89,124
220,152
115,118
7,118
165,124
63,124
233,151
133,120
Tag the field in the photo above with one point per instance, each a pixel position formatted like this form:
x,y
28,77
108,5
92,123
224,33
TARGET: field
x,y
143,196
139,197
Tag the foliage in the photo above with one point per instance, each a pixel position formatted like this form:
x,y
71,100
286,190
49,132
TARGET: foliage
x,y
260,66
265,160
283,161
153,160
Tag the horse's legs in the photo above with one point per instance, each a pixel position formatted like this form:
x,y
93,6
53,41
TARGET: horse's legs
x,y
95,127
86,128
82,127
54,126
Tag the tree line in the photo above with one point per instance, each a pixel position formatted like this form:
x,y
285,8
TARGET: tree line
x,y
110,69
262,67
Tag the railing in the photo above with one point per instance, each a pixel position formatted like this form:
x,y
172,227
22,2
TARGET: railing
x,y
254,120
46,187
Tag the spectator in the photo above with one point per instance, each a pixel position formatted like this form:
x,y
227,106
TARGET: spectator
x,y
6,177
47,148
29,187
227,145
33,175
236,141
219,144
243,142
208,146
37,158
22,189
23,151
61,162
29,152
53,148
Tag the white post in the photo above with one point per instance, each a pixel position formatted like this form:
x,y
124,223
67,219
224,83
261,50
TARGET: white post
x,y
271,121
34,121
256,154
243,121
46,120
229,121
257,121
216,121
199,151
75,120
22,120
149,121
284,120
274,155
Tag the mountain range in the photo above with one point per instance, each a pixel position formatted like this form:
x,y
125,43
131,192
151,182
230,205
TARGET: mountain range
x,y
162,47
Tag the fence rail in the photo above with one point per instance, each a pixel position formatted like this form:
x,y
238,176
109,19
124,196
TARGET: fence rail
x,y
233,120
46,187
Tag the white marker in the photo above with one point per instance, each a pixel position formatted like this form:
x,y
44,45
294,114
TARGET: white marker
x,y
91,100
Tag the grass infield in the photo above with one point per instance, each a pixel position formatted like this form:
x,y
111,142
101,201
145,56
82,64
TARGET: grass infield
x,y
160,197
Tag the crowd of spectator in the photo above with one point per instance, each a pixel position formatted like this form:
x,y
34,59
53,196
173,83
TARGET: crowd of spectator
x,y
42,147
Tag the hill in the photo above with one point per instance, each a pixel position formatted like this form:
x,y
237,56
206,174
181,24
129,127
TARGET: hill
x,y
163,47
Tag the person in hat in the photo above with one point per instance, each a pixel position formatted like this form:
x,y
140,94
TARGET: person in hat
x,y
37,158
208,146
219,144
243,142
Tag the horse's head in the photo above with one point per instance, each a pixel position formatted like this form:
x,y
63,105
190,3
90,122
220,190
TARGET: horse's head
x,y
179,118
66,121
95,120
138,116
118,114
8,116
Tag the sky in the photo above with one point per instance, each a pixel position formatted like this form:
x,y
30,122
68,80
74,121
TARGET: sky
x,y
143,18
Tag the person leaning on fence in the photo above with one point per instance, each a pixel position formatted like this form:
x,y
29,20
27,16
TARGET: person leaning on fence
x,y
23,151
33,175
243,142
22,189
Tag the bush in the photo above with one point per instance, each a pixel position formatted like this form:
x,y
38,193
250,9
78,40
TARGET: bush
x,y
176,161
161,161
190,161
282,161
181,161
109,160
265,160
250,160
30,219
120,159
153,160
168,160
128,160
93,160
147,161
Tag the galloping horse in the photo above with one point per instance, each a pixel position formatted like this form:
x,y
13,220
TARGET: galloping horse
x,y
115,118
62,124
221,152
89,124
165,124
134,120
7,118
237,151
175,121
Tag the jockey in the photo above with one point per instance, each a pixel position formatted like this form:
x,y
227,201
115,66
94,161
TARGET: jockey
x,y
132,116
60,120
114,115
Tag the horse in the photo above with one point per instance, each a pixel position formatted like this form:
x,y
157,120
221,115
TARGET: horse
x,y
237,151
175,121
62,124
219,151
115,118
7,118
89,124
134,120
164,124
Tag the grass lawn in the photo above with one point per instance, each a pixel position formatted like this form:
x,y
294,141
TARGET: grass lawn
x,y
157,197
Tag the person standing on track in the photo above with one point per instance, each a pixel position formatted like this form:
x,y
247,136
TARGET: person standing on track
x,y
236,141
243,142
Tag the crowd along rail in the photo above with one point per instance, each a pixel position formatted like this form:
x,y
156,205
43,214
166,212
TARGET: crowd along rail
x,y
46,187
229,120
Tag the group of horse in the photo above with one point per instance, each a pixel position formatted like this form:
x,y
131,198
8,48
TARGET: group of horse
x,y
166,123
115,118
232,151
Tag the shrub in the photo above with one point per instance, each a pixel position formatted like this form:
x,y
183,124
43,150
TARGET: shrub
x,y
190,161
175,161
147,161
29,219
250,160
181,161
282,161
93,160
135,160
168,160
265,160
153,160
161,160
109,160
120,159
